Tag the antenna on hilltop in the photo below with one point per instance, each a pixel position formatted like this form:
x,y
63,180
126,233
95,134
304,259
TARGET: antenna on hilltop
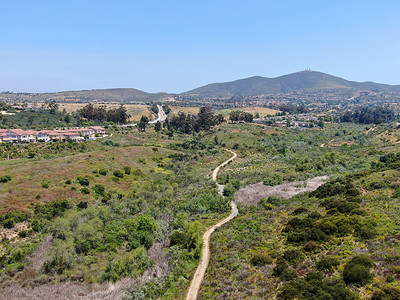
x,y
308,70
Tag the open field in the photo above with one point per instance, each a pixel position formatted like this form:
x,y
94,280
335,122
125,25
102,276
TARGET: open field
x,y
135,110
185,109
263,111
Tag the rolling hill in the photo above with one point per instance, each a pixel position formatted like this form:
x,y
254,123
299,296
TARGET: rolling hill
x,y
303,80
113,95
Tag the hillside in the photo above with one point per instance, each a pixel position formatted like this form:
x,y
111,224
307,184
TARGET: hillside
x,y
304,80
114,95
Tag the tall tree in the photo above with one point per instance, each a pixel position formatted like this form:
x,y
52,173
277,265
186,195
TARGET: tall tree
x,y
143,123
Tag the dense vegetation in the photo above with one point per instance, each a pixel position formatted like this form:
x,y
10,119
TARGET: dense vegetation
x,y
134,207
338,242
100,114
187,123
369,115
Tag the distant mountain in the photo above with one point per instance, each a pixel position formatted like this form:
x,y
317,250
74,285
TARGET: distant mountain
x,y
115,95
304,80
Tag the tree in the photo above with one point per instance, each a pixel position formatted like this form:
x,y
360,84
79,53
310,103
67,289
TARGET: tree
x,y
157,126
143,123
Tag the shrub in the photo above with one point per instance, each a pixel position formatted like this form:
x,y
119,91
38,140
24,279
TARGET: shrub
x,y
293,257
118,173
82,205
357,270
299,211
133,264
281,265
68,181
9,223
274,200
311,247
5,178
85,191
365,233
83,181
229,190
327,263
260,259
17,215
288,274
273,180
103,172
99,189
127,170
45,185
23,234
357,274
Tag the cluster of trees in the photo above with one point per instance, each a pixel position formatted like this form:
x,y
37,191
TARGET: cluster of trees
x,y
237,115
101,114
369,115
293,109
187,123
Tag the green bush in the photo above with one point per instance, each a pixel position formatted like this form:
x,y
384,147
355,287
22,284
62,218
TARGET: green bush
x,y
99,189
299,211
118,173
293,257
133,265
68,181
229,190
127,170
45,185
288,274
357,270
328,263
83,181
82,205
17,215
365,233
103,172
23,234
85,191
5,178
260,259
273,180
9,223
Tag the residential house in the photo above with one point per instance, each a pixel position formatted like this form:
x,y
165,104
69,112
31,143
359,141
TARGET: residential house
x,y
98,130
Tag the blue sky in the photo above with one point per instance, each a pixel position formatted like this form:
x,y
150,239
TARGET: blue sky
x,y
175,46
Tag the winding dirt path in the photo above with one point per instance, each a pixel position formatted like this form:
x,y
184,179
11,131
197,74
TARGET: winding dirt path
x,y
205,257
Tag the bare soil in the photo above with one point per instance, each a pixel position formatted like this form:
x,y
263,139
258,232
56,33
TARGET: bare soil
x,y
251,194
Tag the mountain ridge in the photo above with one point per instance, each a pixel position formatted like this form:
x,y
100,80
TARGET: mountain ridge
x,y
303,80
251,86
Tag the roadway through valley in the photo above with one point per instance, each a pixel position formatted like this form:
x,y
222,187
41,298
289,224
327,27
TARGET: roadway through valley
x,y
161,117
205,257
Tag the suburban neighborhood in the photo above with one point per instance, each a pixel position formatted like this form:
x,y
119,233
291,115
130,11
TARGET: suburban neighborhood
x,y
32,136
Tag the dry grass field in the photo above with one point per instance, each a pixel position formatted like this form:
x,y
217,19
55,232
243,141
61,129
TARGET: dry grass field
x,y
263,111
135,110
185,109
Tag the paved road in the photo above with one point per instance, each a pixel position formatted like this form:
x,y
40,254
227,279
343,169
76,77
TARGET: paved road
x,y
162,116
205,257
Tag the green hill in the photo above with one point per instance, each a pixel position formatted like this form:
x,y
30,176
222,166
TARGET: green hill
x,y
114,95
288,83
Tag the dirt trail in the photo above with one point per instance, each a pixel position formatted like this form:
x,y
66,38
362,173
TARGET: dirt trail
x,y
205,257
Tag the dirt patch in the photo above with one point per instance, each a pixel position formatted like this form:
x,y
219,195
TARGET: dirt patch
x,y
251,194
12,233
